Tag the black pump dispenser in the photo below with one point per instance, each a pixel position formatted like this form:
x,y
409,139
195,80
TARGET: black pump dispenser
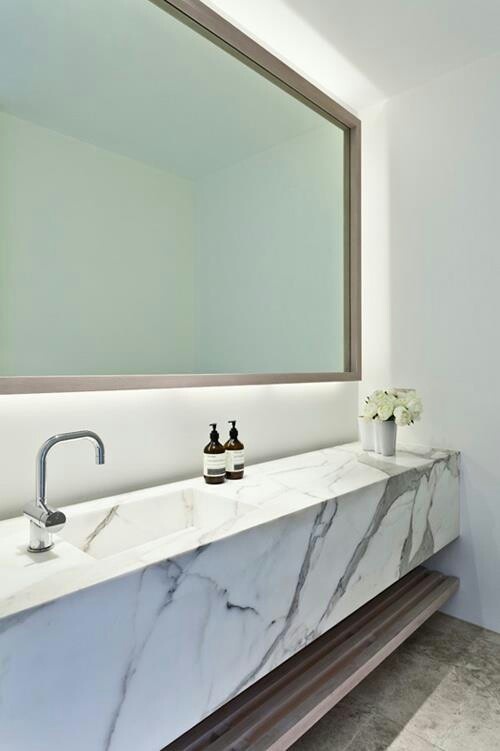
x,y
235,454
214,460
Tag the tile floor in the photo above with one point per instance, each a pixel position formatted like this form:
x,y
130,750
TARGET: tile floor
x,y
439,692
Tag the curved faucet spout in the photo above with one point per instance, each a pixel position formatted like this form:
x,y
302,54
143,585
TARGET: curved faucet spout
x,y
41,464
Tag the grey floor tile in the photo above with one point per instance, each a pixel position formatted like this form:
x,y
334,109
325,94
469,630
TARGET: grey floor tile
x,y
478,726
457,628
381,734
491,636
335,731
439,692
407,741
378,734
443,638
400,686
442,708
481,664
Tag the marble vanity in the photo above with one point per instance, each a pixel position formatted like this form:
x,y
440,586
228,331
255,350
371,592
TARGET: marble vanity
x,y
156,607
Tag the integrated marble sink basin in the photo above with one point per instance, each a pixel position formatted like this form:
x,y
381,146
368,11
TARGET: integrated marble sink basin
x,y
107,531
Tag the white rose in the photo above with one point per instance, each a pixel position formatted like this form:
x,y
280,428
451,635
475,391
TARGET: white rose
x,y
378,396
402,416
413,404
370,410
386,407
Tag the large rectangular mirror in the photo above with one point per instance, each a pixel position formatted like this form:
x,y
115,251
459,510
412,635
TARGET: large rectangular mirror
x,y
174,202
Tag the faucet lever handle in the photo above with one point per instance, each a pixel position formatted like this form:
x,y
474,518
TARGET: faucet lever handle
x,y
45,517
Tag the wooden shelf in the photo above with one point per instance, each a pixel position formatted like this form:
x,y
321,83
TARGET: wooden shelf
x,y
276,710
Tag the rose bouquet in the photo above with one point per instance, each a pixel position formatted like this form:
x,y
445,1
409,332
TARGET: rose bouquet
x,y
401,405
382,412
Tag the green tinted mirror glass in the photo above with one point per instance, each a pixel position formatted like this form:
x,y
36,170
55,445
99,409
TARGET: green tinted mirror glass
x,y
164,208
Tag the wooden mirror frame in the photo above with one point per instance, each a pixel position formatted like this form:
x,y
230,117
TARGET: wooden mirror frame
x,y
221,32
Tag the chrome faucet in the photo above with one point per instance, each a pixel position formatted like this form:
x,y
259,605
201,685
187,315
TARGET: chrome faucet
x,y
44,521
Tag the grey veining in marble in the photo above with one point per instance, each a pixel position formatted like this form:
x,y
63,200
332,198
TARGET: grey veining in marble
x,y
167,632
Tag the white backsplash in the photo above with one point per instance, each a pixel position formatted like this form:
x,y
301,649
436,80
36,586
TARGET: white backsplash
x,y
156,436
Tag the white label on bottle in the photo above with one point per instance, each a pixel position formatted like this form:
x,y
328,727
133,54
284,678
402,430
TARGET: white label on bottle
x,y
235,460
214,465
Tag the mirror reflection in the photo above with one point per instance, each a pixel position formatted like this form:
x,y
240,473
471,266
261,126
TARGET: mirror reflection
x,y
164,208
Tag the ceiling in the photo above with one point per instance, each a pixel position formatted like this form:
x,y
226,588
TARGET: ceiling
x,y
128,77
363,51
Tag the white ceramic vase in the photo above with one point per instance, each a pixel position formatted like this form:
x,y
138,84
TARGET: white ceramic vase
x,y
366,433
385,437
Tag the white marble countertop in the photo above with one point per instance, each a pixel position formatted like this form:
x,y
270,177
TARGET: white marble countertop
x,y
268,491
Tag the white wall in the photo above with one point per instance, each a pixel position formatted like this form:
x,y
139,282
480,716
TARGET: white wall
x,y
157,436
430,293
290,30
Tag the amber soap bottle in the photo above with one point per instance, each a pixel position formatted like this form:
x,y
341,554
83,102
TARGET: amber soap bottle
x,y
214,459
235,454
